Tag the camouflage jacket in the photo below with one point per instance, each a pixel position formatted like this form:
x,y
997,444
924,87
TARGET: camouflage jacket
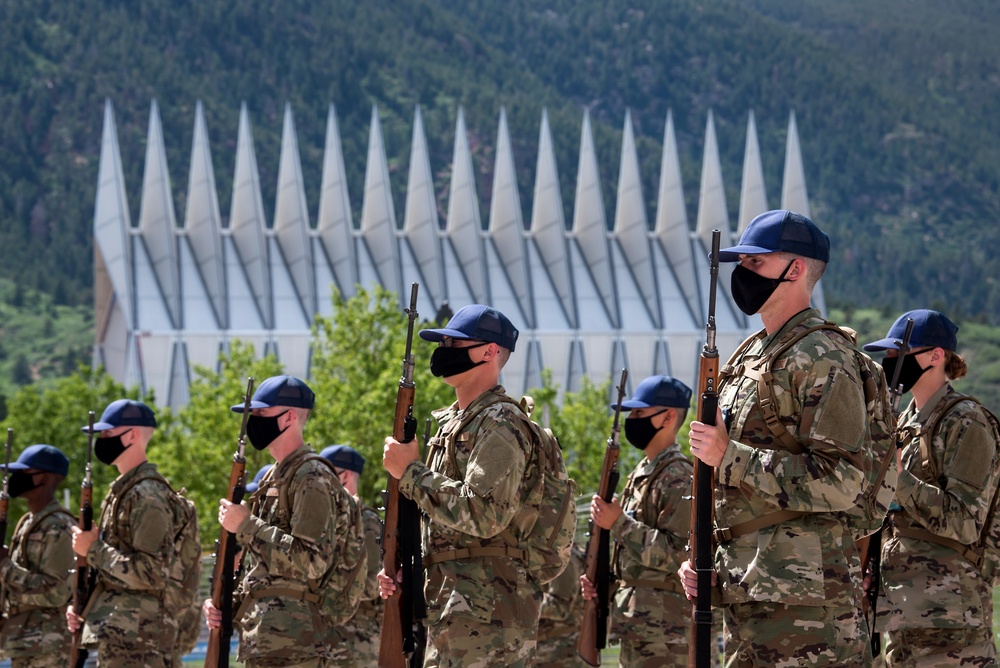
x,y
467,506
132,558
562,610
927,584
367,621
280,555
37,583
809,560
649,547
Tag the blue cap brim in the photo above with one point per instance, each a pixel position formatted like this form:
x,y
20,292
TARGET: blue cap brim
x,y
439,334
733,253
629,404
238,408
98,426
16,466
880,345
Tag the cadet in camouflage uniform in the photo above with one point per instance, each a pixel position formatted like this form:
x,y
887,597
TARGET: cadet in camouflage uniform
x,y
650,526
790,582
939,609
282,554
35,577
559,622
360,634
482,603
130,549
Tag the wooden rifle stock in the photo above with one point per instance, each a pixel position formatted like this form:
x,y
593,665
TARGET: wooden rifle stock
x,y
84,583
224,571
596,611
396,641
701,554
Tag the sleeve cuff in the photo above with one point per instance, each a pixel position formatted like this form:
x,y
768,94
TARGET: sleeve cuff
x,y
248,529
734,463
408,483
622,525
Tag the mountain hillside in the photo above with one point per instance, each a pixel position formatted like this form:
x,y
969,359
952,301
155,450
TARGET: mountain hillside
x,y
897,105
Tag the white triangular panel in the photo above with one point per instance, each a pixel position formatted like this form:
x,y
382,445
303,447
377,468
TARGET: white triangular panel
x,y
113,349
326,282
684,351
577,367
368,277
502,294
179,379
459,292
420,223
203,223
427,306
506,229
640,351
244,312
378,216
464,227
672,228
202,350
155,357
590,304
548,226
555,348
247,222
598,352
111,219
157,222
753,196
291,218
334,224
150,308
590,228
293,351
661,359
712,211
632,225
674,305
533,367
197,310
634,312
549,310
288,312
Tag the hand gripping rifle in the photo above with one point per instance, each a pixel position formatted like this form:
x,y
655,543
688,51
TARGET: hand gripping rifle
x,y
870,547
4,504
594,626
401,531
84,576
703,491
223,573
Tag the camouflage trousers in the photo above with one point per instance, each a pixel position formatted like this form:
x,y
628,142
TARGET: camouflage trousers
x,y
558,653
931,648
277,663
773,635
115,656
460,642
646,654
41,661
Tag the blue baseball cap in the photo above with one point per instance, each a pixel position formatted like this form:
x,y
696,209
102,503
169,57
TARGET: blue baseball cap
x,y
478,322
42,457
931,329
124,413
255,485
280,391
781,230
344,457
658,391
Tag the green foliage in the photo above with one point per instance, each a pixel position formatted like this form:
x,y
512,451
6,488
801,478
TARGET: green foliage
x,y
356,366
197,451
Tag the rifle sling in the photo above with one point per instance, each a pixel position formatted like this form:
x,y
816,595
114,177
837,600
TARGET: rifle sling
x,y
899,526
726,534
475,553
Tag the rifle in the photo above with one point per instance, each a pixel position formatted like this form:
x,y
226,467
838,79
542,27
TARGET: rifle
x,y
84,576
870,547
703,489
4,504
597,611
223,573
401,531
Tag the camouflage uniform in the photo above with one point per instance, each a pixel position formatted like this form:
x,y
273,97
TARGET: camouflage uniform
x,y
559,623
37,588
126,616
360,635
792,591
481,611
939,610
651,613
280,556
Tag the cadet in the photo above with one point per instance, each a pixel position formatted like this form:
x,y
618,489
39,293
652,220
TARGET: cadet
x,y
787,565
559,621
481,603
293,536
131,548
36,578
650,527
360,634
939,609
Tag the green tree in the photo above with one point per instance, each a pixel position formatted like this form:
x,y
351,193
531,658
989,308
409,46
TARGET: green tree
x,y
356,366
197,452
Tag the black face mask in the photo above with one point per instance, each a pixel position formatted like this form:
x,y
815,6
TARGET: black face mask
x,y
452,361
751,291
108,449
20,482
263,430
909,373
639,431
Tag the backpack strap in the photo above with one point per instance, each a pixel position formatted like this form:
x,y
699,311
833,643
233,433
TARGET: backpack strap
x,y
928,431
726,534
973,553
